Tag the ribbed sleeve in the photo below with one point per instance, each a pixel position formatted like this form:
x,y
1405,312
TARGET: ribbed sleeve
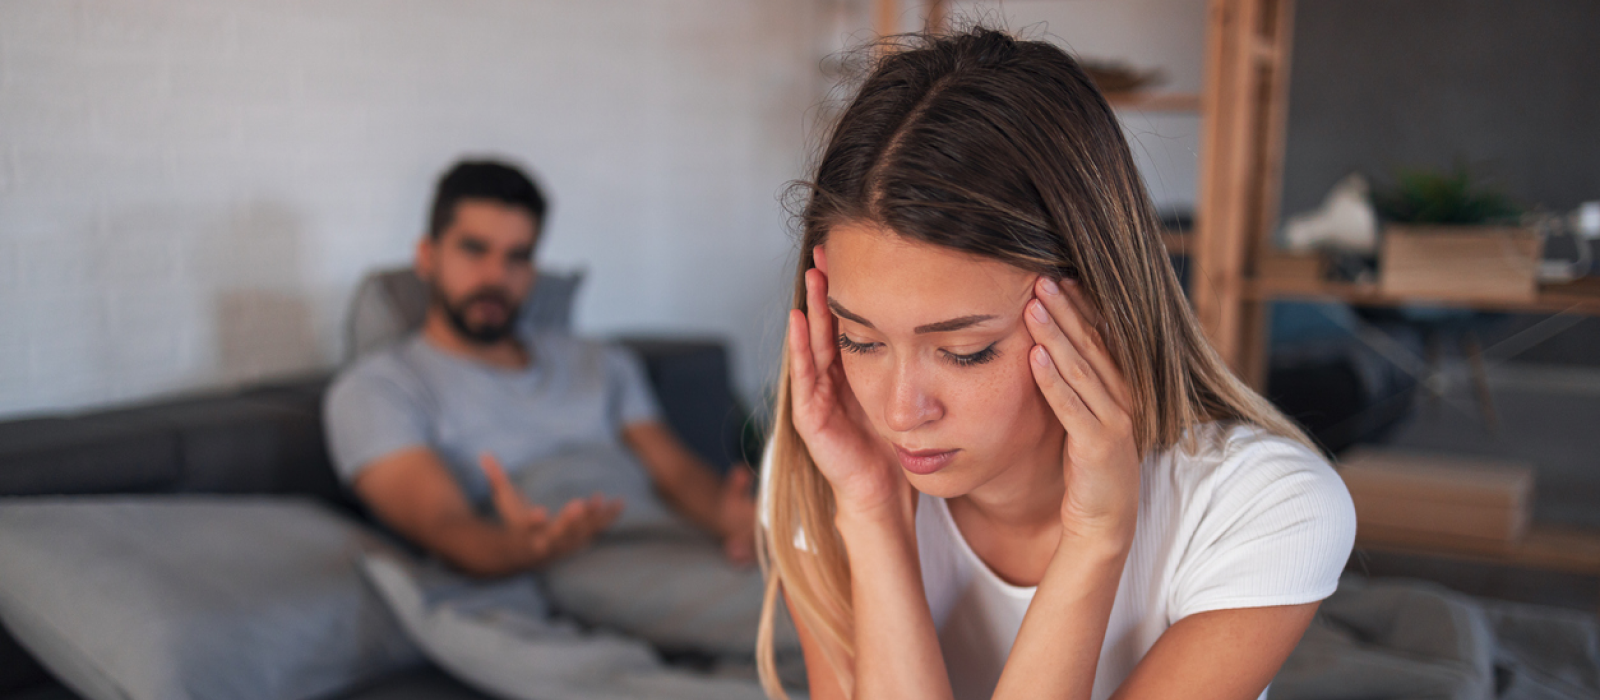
x,y
1276,529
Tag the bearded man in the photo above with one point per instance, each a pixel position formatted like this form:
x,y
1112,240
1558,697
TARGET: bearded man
x,y
430,432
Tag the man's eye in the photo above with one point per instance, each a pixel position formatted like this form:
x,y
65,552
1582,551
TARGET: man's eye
x,y
976,358
848,345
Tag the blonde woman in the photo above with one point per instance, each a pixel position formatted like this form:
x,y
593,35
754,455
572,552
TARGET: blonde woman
x,y
1006,462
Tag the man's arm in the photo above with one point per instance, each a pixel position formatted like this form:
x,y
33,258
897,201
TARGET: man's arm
x,y
413,492
723,507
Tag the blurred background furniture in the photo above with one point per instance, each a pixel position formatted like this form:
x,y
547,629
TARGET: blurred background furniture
x,y
268,440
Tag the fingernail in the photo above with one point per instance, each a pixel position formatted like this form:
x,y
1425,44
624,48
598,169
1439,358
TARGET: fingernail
x,y
1037,310
1040,357
1050,286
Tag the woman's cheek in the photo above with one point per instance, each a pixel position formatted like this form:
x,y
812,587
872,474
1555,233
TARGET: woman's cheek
x,y
865,382
1023,401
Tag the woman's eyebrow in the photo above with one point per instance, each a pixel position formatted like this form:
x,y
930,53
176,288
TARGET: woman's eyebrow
x,y
954,324
846,313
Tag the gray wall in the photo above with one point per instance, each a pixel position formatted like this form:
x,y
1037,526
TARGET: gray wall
x,y
1512,86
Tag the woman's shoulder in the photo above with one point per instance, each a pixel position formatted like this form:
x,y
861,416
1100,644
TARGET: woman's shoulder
x,y
1263,519
1238,458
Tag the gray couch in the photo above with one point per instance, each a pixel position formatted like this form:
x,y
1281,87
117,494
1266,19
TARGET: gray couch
x,y
268,439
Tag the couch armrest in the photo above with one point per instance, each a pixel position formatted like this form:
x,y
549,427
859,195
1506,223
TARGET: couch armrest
x,y
691,381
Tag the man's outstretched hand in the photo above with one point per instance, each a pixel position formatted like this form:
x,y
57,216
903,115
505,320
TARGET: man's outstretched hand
x,y
736,509
534,536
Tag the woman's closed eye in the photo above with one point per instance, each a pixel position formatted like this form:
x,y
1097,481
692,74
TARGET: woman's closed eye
x,y
960,360
976,358
848,345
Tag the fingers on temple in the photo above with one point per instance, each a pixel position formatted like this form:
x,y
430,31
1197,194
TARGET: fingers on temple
x,y
1089,326
801,367
1066,363
1082,325
824,346
1063,399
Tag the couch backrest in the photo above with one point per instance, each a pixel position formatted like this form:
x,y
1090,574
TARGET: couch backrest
x,y
266,439
389,304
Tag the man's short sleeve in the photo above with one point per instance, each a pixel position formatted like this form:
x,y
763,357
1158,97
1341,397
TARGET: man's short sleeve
x,y
1277,530
369,415
630,398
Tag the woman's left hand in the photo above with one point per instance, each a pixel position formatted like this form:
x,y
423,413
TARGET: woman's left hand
x,y
1091,398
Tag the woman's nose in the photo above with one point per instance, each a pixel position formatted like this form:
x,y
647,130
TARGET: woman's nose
x,y
911,405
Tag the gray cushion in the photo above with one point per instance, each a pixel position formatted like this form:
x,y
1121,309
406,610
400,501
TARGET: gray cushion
x,y
498,637
171,597
389,304
677,592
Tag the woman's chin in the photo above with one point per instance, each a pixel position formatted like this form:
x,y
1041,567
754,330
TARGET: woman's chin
x,y
945,483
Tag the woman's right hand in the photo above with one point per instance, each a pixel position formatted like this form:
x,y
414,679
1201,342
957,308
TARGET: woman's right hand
x,y
865,476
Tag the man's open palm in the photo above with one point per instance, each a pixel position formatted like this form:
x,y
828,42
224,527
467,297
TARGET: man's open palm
x,y
541,538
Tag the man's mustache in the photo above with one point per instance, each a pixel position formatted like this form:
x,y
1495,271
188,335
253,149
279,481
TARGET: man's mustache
x,y
494,294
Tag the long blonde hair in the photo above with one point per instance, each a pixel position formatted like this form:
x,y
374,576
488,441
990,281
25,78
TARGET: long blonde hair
x,y
1004,148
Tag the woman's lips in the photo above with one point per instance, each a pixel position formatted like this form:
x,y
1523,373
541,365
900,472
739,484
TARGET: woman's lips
x,y
922,462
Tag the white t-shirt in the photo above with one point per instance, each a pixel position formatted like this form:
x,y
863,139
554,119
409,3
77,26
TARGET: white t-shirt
x,y
1249,520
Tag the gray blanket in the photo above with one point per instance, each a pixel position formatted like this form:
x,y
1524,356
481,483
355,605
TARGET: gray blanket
x,y
1399,639
590,625
501,639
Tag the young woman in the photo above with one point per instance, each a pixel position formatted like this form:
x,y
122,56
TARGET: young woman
x,y
1006,462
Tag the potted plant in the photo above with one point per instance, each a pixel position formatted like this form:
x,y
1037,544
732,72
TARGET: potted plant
x,y
1446,236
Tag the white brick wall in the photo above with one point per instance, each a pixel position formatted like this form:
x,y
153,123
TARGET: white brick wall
x,y
190,189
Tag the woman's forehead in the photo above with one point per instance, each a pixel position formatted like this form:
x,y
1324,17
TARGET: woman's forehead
x,y
897,282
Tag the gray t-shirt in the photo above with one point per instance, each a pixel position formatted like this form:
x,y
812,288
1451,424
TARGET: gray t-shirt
x,y
574,398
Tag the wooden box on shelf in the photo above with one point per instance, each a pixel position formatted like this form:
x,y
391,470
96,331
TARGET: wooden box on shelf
x,y
1286,266
1499,263
1399,494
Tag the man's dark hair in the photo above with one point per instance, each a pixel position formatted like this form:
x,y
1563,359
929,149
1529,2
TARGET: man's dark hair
x,y
483,179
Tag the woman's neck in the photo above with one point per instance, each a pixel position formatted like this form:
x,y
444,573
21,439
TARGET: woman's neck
x,y
1013,521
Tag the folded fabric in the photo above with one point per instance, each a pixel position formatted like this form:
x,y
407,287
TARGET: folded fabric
x,y
1396,638
1544,653
651,575
177,597
498,638
610,469
678,593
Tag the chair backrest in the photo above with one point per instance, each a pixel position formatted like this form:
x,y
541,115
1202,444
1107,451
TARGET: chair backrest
x,y
389,304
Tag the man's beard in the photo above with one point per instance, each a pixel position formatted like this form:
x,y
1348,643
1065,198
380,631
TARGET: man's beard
x,y
479,334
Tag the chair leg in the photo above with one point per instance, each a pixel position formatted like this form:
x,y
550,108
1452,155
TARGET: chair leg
x,y
1480,378
1434,380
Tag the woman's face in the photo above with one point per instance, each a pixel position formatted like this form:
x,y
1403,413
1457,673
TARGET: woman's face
x,y
934,347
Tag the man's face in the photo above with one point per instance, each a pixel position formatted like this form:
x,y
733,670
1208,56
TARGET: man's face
x,y
480,269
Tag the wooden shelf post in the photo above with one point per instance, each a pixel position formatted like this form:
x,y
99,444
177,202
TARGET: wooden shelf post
x,y
1242,113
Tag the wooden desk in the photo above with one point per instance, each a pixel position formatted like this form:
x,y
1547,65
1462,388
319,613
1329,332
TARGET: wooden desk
x,y
1581,296
1544,547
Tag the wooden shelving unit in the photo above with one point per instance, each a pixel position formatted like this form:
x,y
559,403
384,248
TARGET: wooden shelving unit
x,y
1242,122
1242,119
1544,547
1243,113
1580,296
